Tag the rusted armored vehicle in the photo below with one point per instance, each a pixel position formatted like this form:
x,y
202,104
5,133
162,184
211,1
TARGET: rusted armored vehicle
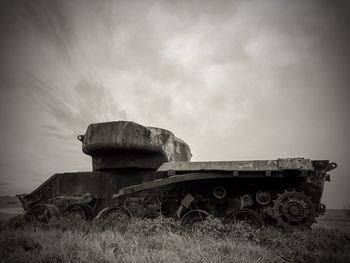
x,y
146,172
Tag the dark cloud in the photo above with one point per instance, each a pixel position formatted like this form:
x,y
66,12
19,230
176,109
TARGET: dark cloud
x,y
3,183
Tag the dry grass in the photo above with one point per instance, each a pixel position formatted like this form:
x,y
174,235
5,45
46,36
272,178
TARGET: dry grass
x,y
165,241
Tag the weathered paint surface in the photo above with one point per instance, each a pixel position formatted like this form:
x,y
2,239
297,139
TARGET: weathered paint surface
x,y
99,184
123,144
184,178
259,165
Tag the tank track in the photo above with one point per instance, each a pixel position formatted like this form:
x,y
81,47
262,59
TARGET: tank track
x,y
287,210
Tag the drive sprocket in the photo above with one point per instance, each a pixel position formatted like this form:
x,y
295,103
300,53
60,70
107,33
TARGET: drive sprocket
x,y
294,210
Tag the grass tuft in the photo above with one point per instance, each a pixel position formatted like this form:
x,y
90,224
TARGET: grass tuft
x,y
164,240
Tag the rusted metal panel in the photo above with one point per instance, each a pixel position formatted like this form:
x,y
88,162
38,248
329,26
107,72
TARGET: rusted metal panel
x,y
218,166
258,165
169,180
101,184
183,178
294,164
323,166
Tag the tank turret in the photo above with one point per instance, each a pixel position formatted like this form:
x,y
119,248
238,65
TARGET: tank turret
x,y
123,144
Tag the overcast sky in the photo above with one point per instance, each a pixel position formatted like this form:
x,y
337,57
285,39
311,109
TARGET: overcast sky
x,y
235,79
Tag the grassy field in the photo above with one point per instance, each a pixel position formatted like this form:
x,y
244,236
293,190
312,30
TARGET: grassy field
x,y
163,240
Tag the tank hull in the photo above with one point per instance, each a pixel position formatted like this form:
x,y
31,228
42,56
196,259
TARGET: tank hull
x,y
144,171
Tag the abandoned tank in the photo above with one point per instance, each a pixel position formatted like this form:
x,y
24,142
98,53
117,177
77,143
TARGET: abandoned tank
x,y
146,172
